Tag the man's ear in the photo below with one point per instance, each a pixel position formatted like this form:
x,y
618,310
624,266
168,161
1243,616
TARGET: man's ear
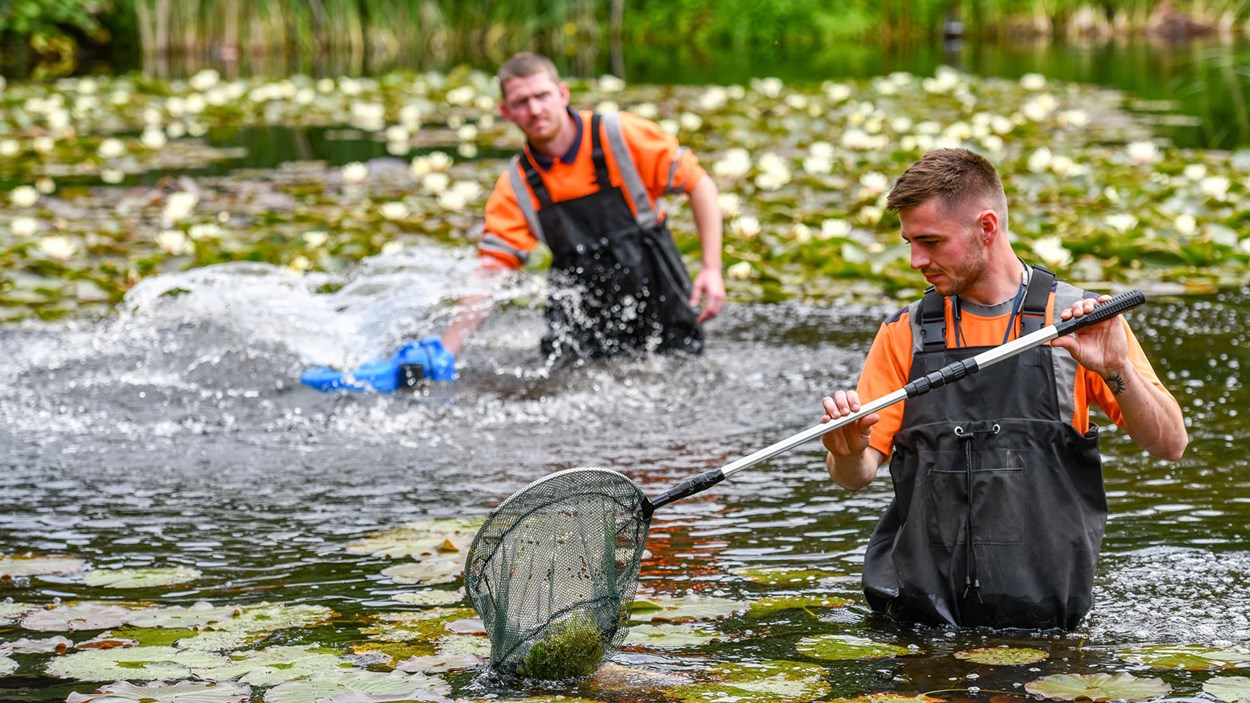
x,y
987,222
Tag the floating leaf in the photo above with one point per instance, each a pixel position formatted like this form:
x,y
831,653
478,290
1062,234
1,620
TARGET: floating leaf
x,y
1189,657
199,615
140,578
1003,656
269,617
658,609
429,597
156,692
443,569
415,625
135,663
441,663
844,647
616,678
57,645
1231,689
886,698
670,636
768,606
13,612
421,538
393,686
1097,687
273,665
144,636
30,565
762,682
779,576
7,666
74,617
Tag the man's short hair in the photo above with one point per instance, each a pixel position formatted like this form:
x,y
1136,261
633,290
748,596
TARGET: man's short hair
x,y
526,64
954,176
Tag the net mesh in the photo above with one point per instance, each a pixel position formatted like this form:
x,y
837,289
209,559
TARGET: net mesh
x,y
553,572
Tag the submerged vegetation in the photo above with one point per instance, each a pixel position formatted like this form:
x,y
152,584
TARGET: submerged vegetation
x,y
571,648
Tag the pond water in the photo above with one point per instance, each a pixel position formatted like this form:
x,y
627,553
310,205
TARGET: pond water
x,y
175,435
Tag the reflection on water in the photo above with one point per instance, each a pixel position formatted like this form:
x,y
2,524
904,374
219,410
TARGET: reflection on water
x,y
176,434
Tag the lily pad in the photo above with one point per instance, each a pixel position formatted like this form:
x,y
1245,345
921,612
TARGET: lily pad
x,y
1003,656
140,578
763,682
780,576
660,609
78,616
1098,687
1231,689
441,663
15,565
433,571
1188,657
429,597
270,617
135,663
199,615
157,692
415,625
670,636
768,606
379,687
620,679
847,647
14,612
7,666
886,698
50,645
274,665
422,538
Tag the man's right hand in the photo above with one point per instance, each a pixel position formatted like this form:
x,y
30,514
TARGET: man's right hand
x,y
851,439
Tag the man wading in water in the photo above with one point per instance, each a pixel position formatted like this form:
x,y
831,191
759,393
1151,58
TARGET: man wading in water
x,y
587,186
999,507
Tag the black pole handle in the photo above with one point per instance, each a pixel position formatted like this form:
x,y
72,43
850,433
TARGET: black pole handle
x,y
689,487
1103,311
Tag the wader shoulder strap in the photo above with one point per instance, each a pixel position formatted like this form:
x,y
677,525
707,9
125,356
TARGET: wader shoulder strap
x,y
1033,311
522,195
647,216
596,153
933,320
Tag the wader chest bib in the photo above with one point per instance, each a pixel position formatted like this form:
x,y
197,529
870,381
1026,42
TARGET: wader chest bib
x,y
616,285
999,506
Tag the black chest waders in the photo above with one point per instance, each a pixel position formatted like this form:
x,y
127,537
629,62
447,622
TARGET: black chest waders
x,y
617,282
999,504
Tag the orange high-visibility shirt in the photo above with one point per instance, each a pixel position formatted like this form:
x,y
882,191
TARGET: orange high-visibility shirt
x,y
664,166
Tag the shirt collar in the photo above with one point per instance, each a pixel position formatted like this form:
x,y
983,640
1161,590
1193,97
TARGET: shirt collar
x,y
546,162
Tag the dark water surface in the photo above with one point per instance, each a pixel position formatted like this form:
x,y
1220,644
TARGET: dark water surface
x,y
175,434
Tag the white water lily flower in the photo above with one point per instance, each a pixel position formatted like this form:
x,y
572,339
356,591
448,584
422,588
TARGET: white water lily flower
x,y
1186,224
1110,193
857,139
608,107
467,150
1121,222
670,126
462,95
349,86
745,226
1040,160
410,117
315,238
871,214
796,101
467,133
1065,167
205,79
111,148
112,176
1033,81
87,86
45,185
1143,152
818,165
397,133
770,87
837,92
305,96
392,248
469,190
179,205
195,104
369,116
690,122
153,138
58,247
174,242
945,80
901,125
772,180
609,83
821,149
994,144
1039,107
714,98
325,86
801,233
435,182
736,163
23,226
450,200
10,147
152,117
1052,251
729,203
175,106
354,172
205,230
24,196
1215,187
741,271
394,210
1195,172
299,264
832,228
874,183
1074,118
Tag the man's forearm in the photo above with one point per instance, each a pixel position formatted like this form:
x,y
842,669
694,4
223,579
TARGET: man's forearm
x,y
1151,417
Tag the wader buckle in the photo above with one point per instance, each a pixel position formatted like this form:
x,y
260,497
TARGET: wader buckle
x,y
977,428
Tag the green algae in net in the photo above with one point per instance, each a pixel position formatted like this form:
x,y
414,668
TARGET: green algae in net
x,y
571,649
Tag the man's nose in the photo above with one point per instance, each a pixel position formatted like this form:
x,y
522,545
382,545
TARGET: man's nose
x,y
918,258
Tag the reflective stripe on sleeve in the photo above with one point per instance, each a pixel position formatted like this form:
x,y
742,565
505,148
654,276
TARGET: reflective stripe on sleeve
x,y
672,170
494,243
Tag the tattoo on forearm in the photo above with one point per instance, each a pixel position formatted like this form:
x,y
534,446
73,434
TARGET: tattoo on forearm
x,y
1115,383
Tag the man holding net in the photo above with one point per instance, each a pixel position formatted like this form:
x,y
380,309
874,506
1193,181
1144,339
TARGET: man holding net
x,y
999,506
587,186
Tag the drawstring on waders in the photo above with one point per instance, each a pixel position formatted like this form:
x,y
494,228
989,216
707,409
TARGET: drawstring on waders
x,y
971,580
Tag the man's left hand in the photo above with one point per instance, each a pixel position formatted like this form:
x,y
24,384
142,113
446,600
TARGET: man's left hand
x,y
1101,348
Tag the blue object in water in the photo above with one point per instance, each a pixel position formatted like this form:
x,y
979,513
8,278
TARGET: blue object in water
x,y
413,362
